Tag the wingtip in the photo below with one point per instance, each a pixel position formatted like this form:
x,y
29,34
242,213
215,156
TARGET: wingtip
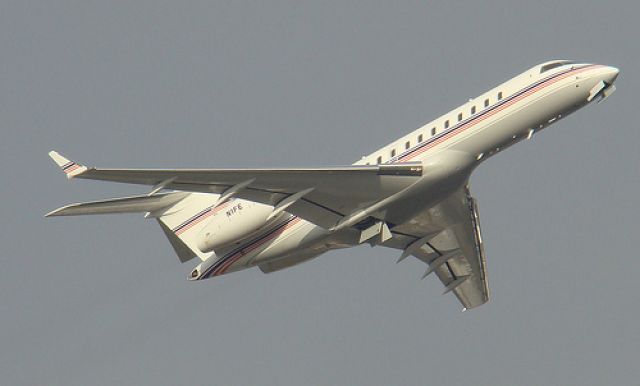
x,y
58,158
55,212
70,168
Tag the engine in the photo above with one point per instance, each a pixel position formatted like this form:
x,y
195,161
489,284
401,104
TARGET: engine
x,y
237,220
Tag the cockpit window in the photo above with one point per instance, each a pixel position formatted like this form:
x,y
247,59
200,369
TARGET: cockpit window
x,y
552,65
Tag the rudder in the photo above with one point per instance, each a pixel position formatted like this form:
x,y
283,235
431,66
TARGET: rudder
x,y
182,222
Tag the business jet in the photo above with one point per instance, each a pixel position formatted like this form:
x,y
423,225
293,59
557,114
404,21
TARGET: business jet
x,y
411,195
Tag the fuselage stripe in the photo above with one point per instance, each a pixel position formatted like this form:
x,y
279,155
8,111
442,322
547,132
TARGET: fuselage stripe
x,y
487,113
220,266
223,264
223,268
198,217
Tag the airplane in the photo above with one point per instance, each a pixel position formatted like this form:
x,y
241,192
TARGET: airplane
x,y
411,195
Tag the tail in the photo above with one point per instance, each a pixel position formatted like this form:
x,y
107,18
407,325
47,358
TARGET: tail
x,y
182,222
180,215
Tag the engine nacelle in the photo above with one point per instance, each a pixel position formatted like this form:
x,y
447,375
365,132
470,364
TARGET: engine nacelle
x,y
238,220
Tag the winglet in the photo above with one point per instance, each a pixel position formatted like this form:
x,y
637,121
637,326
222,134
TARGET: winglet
x,y
70,168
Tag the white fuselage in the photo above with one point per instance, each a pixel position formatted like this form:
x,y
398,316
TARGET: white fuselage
x,y
461,139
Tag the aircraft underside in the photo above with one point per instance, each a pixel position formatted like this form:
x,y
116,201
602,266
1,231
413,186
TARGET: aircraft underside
x,y
411,195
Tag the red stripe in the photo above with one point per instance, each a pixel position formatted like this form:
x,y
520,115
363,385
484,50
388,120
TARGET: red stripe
x,y
223,268
491,113
220,270
74,167
190,225
199,219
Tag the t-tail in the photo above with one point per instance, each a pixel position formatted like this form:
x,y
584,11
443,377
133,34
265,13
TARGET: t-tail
x,y
181,215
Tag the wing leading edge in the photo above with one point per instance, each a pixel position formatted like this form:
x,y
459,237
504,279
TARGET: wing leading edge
x,y
446,237
323,196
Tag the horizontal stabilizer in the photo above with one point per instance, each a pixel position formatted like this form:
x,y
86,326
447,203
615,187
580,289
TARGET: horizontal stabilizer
x,y
134,204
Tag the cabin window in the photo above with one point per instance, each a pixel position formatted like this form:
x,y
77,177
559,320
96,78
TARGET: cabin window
x,y
407,145
473,110
433,131
486,102
446,124
420,138
393,152
500,95
379,160
459,117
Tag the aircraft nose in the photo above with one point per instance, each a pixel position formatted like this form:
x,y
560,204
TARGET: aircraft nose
x,y
604,87
610,74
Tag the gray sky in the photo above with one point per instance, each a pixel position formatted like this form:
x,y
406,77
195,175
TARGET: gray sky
x,y
103,300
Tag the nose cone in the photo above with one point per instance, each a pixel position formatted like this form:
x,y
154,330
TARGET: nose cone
x,y
610,74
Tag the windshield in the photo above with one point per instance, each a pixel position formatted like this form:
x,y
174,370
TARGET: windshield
x,y
552,65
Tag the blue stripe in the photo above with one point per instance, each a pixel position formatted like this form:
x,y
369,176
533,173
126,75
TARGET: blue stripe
x,y
192,219
68,165
405,153
481,113
226,257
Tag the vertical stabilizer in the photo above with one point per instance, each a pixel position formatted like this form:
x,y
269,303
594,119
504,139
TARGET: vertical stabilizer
x,y
182,222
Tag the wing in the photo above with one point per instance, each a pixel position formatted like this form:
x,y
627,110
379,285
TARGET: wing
x,y
322,196
447,238
121,205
